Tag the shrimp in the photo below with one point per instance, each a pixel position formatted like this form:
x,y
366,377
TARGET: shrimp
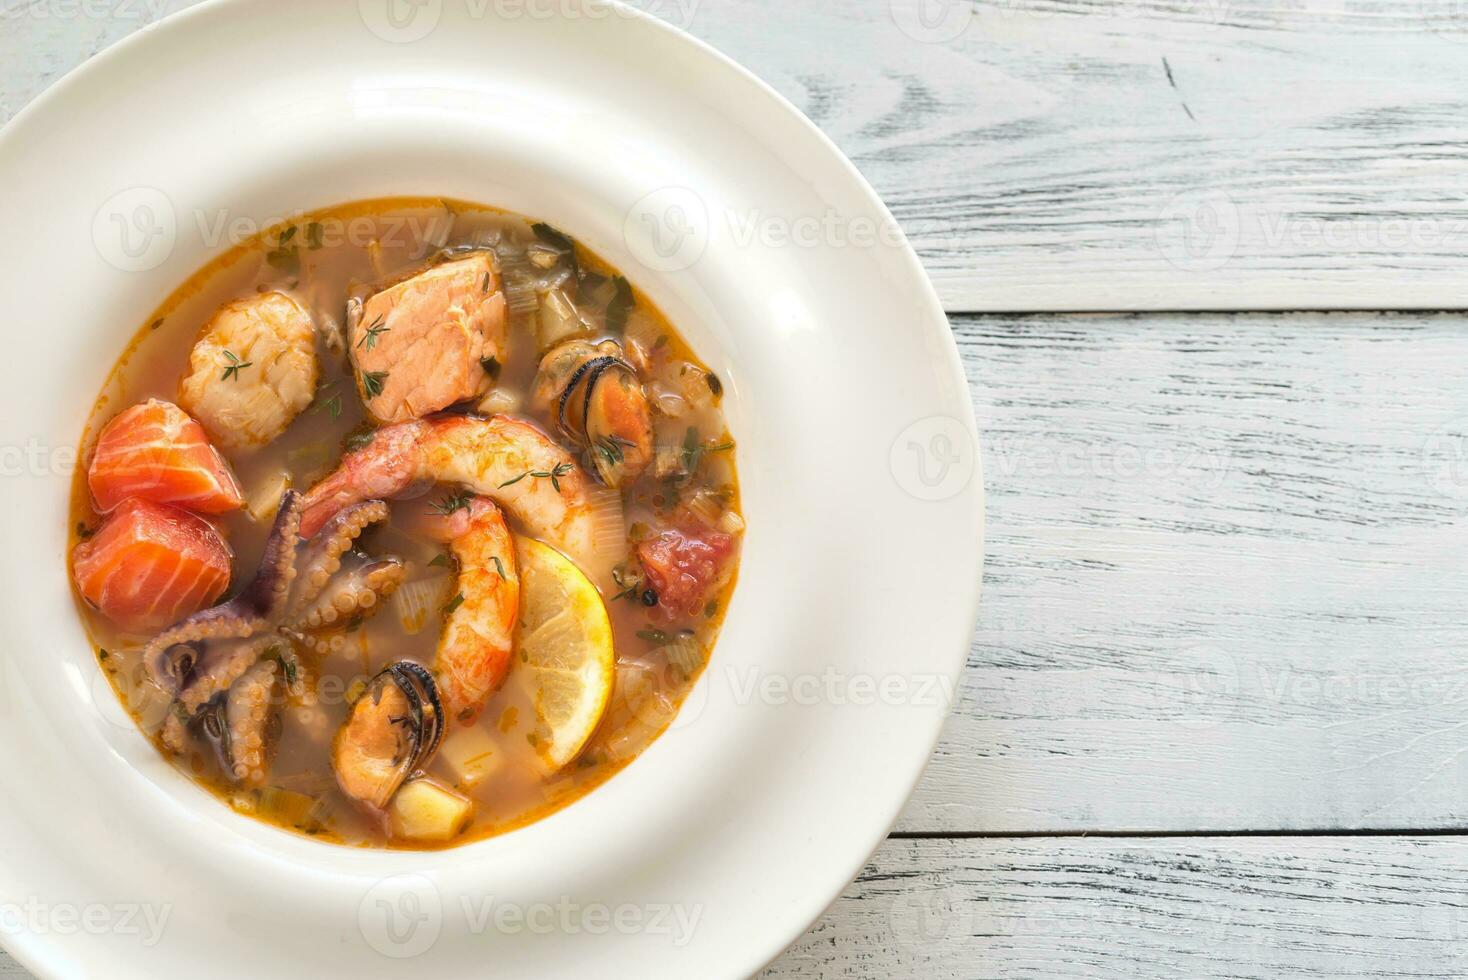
x,y
473,654
503,458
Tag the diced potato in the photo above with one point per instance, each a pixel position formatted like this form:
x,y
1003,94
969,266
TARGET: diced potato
x,y
426,810
471,754
264,500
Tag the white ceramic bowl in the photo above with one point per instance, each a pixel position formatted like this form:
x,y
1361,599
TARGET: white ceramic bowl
x,y
860,576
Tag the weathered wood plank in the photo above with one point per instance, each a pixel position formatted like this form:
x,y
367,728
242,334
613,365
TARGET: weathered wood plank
x,y
1144,154
1225,584
1086,154
1239,907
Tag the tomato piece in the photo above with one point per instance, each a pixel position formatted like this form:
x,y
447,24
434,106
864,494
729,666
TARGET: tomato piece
x,y
156,451
683,565
150,565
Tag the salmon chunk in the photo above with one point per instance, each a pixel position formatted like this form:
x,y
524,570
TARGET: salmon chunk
x,y
252,371
149,565
426,343
157,452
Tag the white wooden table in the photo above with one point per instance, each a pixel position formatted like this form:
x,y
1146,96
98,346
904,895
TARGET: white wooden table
x,y
1215,721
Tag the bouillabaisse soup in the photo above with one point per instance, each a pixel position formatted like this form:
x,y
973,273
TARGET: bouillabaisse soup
x,y
405,523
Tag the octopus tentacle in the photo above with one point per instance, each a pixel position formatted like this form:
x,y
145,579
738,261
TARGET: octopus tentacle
x,y
249,711
320,559
257,609
216,673
356,590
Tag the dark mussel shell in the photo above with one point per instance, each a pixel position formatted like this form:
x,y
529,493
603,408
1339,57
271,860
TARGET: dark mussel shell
x,y
392,731
573,409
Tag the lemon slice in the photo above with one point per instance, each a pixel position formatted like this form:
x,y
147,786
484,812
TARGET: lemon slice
x,y
564,644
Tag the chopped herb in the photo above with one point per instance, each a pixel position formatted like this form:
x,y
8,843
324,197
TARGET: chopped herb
x,y
369,337
284,255
82,531
710,609
488,278
156,324
332,405
372,382
553,475
354,624
587,761
287,664
451,503
610,449
315,235
359,440
553,237
715,385
692,450
102,653
491,366
454,603
498,565
720,447
533,739
653,635
630,584
621,304
180,712
235,366
441,560
661,342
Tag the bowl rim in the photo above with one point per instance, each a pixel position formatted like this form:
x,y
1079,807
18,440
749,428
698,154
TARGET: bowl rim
x,y
35,952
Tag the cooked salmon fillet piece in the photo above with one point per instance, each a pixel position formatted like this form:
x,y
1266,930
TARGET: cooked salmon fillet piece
x,y
426,343
150,565
157,452
253,370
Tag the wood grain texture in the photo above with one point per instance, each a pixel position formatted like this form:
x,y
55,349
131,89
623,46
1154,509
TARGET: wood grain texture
x,y
1087,154
1225,584
1144,154
1342,908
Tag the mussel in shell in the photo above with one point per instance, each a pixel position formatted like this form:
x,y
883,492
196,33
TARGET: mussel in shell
x,y
392,730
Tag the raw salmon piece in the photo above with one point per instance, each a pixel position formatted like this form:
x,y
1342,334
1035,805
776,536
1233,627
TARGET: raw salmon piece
x,y
149,565
157,452
426,343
